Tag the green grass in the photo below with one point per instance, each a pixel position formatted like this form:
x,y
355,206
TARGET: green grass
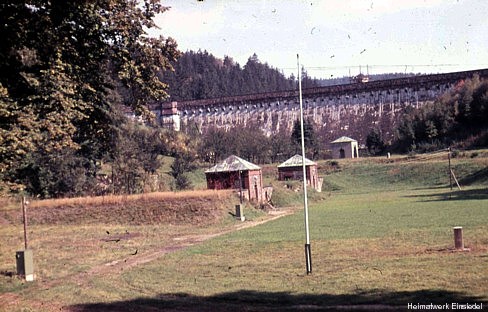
x,y
388,232
397,251
381,233
394,251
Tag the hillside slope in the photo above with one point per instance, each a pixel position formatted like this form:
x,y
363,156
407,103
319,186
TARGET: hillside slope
x,y
193,207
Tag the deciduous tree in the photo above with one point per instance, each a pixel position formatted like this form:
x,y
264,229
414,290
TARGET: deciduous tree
x,y
58,62
374,142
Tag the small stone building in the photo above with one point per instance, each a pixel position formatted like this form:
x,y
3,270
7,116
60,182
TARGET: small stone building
x,y
292,169
344,147
237,173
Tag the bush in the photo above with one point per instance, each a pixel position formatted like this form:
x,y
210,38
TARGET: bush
x,y
182,182
334,163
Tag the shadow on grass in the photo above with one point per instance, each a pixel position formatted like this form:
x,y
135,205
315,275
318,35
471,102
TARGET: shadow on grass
x,y
471,194
7,273
480,176
435,187
247,300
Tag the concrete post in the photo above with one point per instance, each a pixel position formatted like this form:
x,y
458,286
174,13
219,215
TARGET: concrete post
x,y
458,238
24,258
25,264
240,213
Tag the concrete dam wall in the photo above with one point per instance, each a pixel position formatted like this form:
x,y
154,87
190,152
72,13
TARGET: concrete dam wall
x,y
351,110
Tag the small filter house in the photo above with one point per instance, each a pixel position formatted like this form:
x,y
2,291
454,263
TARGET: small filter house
x,y
344,147
237,173
292,169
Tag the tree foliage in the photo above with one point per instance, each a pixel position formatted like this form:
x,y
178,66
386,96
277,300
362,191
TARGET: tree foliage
x,y
375,143
135,157
454,117
312,144
200,75
56,174
60,61
250,143
280,147
182,164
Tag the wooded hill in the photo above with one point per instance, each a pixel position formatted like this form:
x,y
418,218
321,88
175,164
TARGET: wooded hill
x,y
200,75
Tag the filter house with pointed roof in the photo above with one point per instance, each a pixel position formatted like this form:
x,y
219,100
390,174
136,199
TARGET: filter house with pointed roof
x,y
344,147
292,169
237,173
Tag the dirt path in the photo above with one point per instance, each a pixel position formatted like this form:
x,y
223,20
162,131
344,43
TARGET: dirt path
x,y
179,243
82,279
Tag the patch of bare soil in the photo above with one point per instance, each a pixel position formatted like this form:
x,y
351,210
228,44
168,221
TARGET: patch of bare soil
x,y
3,221
14,302
118,237
474,248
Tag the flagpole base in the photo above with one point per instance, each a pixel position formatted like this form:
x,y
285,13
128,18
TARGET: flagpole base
x,y
308,258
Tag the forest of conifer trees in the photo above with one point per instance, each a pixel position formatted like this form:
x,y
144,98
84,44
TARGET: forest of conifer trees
x,y
200,75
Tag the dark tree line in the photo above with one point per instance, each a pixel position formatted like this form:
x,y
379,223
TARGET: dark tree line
x,y
200,75
457,118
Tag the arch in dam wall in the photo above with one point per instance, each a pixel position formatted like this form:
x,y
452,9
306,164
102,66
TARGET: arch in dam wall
x,y
346,110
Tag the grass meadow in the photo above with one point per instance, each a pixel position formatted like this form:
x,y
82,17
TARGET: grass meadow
x,y
381,236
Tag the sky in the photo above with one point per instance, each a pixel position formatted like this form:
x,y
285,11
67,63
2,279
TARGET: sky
x,y
335,37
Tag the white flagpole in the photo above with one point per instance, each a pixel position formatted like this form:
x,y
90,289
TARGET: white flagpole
x,y
308,253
